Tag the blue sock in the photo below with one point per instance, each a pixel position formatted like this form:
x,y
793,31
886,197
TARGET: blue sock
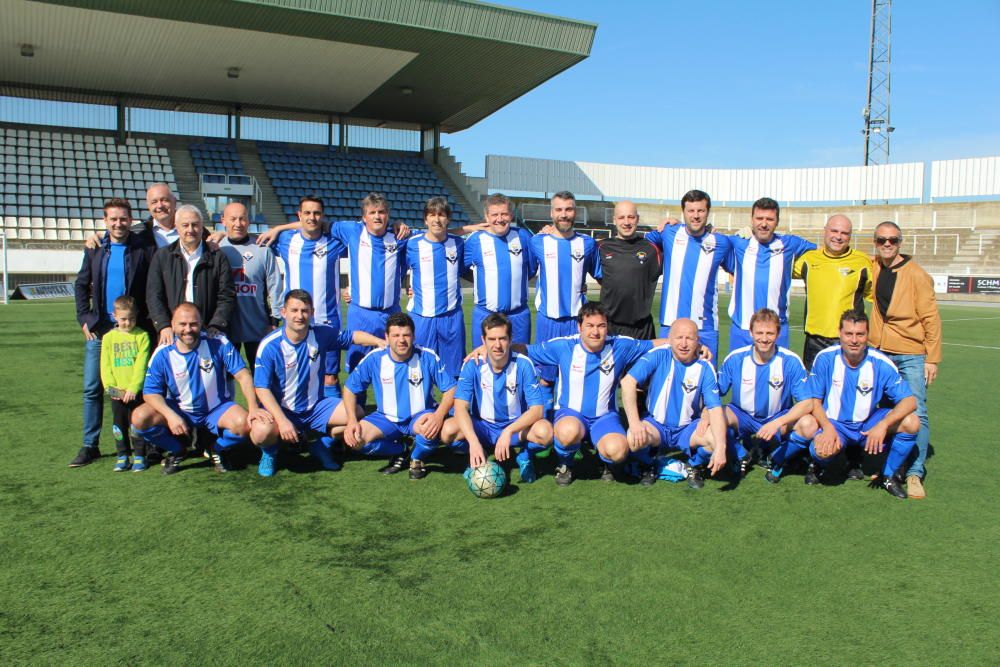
x,y
331,391
787,449
162,438
899,450
383,447
644,456
327,441
422,448
270,451
460,446
700,457
565,454
227,439
737,448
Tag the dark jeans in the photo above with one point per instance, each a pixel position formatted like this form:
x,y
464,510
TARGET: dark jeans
x,y
121,413
814,345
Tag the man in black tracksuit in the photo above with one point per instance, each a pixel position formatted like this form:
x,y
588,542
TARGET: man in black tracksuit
x,y
631,267
189,270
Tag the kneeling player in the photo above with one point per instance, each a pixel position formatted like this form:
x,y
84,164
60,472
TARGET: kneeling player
x,y
765,379
403,376
291,363
186,385
678,384
498,404
849,382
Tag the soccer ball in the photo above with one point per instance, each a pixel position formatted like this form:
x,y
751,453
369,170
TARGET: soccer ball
x,y
487,481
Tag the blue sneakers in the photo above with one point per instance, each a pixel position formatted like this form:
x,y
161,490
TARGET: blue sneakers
x,y
139,464
268,464
122,463
527,469
322,453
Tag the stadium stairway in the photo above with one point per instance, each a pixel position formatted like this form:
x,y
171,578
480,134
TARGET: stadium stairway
x,y
269,205
188,187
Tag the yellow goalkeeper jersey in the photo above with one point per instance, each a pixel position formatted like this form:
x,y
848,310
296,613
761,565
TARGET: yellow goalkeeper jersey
x,y
833,285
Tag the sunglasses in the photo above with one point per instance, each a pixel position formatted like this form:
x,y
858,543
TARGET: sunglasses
x,y
891,240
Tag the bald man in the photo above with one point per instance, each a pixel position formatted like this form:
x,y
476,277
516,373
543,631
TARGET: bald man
x,y
837,278
257,280
631,267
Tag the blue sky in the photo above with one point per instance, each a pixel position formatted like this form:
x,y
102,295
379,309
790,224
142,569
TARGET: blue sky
x,y
731,83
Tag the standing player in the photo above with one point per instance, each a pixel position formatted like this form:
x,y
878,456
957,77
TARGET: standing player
x,y
589,365
187,386
850,383
288,381
692,256
564,260
434,259
501,261
630,266
837,278
498,404
257,279
403,377
765,380
762,272
678,385
312,263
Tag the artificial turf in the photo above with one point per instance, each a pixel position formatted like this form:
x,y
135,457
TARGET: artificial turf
x,y
357,568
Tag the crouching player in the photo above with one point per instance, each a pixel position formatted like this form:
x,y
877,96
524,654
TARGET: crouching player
x,y
849,382
678,385
765,379
289,377
403,376
187,385
498,404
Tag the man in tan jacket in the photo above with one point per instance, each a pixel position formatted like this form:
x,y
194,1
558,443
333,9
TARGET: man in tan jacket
x,y
906,325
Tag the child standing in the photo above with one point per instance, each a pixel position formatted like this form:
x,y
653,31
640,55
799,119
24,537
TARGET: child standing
x,y
124,355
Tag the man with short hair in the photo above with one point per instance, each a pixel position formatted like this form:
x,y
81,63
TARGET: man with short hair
x,y
564,260
679,385
117,266
403,377
851,382
501,261
837,278
906,326
498,403
291,365
187,386
162,205
630,267
766,380
433,259
190,270
256,279
762,272
692,256
590,365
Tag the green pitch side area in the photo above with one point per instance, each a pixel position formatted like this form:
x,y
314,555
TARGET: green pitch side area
x,y
357,568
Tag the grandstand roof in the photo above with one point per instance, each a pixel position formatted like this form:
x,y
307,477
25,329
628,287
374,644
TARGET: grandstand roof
x,y
404,63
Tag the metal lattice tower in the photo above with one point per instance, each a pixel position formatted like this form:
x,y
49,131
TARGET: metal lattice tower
x,y
876,111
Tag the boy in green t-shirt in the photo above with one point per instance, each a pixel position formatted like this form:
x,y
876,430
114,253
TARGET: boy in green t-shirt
x,y
124,355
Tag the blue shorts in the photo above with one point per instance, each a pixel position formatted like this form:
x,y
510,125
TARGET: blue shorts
x,y
489,432
595,428
741,337
850,432
208,421
520,321
332,357
317,419
394,430
707,337
369,321
748,424
445,334
674,437
547,328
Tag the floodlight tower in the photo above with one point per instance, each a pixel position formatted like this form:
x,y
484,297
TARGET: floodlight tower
x,y
876,111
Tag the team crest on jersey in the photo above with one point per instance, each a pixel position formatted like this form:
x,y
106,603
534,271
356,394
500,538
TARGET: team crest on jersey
x,y
688,386
320,252
708,247
390,248
205,364
514,248
511,387
641,256
451,255
415,377
248,256
607,366
313,353
776,382
776,251
577,255
864,388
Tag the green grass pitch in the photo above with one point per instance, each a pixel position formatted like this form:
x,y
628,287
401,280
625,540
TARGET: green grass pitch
x,y
356,568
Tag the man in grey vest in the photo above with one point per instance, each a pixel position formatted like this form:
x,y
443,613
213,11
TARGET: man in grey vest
x,y
257,280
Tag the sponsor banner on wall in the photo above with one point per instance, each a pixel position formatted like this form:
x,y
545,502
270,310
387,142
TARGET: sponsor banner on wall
x,y
974,285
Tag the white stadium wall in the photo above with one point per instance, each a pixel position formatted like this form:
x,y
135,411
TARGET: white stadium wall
x,y
974,177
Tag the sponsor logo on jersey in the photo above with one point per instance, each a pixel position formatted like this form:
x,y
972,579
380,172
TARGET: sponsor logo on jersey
x,y
246,289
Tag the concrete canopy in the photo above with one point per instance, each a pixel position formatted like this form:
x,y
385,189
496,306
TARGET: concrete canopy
x,y
395,63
